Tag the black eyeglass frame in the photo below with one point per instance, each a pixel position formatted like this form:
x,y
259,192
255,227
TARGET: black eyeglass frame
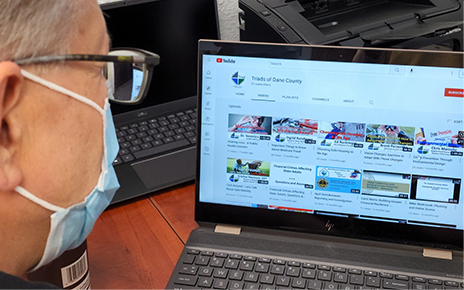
x,y
147,59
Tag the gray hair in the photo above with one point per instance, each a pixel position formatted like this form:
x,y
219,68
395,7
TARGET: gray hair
x,y
31,28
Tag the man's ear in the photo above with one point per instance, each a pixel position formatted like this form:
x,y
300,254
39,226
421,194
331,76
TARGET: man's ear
x,y
11,82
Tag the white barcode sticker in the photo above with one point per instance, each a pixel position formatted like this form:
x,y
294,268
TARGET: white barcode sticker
x,y
74,272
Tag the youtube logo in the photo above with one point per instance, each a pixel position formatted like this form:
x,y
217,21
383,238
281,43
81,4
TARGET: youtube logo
x,y
219,60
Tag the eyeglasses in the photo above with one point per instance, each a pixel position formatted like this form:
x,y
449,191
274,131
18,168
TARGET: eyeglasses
x,y
128,70
391,127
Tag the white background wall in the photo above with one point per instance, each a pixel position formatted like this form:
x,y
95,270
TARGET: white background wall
x,y
228,18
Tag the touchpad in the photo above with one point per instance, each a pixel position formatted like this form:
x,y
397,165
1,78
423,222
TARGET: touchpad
x,y
166,170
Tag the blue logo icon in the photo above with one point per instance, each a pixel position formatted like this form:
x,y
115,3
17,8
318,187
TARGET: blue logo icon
x,y
237,79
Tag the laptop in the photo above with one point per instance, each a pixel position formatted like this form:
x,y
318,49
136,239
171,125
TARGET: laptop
x,y
157,137
325,167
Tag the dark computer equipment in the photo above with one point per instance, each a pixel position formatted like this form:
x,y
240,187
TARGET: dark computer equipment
x,y
157,137
416,24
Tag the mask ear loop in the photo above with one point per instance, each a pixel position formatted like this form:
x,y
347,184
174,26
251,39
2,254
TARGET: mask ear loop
x,y
82,99
62,90
37,200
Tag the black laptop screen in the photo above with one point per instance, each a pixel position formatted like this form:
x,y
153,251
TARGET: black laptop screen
x,y
170,28
362,143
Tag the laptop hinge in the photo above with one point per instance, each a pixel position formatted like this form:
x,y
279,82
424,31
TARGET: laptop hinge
x,y
226,229
439,254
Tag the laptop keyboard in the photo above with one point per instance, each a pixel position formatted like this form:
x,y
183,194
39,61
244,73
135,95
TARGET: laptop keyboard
x,y
218,270
155,135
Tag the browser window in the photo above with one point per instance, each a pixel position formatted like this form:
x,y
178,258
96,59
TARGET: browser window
x,y
370,141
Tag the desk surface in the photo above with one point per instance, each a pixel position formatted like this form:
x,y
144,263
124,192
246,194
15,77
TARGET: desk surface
x,y
136,245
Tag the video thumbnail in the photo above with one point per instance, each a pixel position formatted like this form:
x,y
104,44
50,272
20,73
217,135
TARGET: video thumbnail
x,y
294,126
343,180
250,124
447,137
436,189
390,134
248,167
345,131
386,184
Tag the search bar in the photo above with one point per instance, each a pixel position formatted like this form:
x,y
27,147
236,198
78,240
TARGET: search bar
x,y
326,66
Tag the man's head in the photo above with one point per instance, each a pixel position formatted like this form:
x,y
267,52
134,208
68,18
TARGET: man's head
x,y
50,143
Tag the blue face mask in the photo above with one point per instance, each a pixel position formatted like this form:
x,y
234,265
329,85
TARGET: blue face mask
x,y
70,226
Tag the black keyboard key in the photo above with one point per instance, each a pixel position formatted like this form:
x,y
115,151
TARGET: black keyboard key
x,y
134,149
355,271
189,270
386,275
339,269
246,266
356,280
236,285
235,256
202,261
189,259
299,283
309,273
141,134
435,282
309,265
157,143
143,128
130,137
251,286
232,264
235,275
419,279
186,280
163,129
264,260
420,286
283,281
451,284
294,264
370,273
136,142
127,158
220,284
178,137
161,148
251,277
324,267
117,161
314,285
324,275
205,282
132,131
373,282
146,146
217,262
220,273
293,272
340,277
205,271
277,269
169,133
266,279
402,277
262,267
278,261
221,255
395,284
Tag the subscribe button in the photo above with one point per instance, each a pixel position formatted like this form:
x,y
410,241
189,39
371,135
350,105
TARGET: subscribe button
x,y
458,93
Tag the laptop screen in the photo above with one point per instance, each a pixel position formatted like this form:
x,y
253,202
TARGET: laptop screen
x,y
169,28
362,143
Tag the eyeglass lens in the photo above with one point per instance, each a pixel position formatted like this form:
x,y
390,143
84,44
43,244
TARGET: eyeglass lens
x,y
127,81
